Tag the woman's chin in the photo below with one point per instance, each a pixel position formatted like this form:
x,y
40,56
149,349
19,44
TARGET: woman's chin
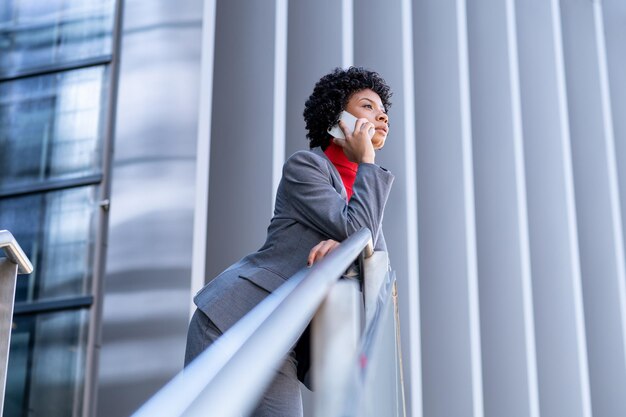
x,y
378,143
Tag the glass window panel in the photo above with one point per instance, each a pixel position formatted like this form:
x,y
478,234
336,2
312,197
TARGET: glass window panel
x,y
51,126
56,231
46,364
38,33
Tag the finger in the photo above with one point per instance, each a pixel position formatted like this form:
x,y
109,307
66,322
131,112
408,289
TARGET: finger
x,y
312,254
317,255
359,124
323,250
332,245
320,250
367,125
327,248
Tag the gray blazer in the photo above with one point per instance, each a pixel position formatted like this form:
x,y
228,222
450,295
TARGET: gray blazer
x,y
310,207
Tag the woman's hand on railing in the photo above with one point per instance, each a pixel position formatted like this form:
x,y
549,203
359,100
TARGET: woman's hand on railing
x,y
320,250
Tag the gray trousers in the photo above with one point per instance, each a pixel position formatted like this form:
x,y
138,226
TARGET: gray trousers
x,y
283,397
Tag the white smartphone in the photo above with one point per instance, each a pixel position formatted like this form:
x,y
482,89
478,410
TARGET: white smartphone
x,y
348,119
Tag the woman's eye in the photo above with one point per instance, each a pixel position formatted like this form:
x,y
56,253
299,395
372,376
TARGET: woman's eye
x,y
369,106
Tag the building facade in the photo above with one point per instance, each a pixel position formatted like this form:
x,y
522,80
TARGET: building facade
x,y
56,111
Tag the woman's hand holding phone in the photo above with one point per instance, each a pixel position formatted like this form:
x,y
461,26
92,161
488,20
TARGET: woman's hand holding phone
x,y
357,144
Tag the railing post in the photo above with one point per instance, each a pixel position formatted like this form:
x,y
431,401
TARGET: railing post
x,y
16,261
8,275
335,335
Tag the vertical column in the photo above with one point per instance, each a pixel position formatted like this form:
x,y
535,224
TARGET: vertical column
x,y
280,95
148,257
94,332
314,48
203,150
614,14
242,131
563,378
508,345
451,365
383,43
597,203
347,32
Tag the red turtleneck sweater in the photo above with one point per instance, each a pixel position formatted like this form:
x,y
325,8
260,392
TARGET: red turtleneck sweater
x,y
346,169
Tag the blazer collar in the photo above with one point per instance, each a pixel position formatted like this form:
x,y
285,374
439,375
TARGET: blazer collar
x,y
338,183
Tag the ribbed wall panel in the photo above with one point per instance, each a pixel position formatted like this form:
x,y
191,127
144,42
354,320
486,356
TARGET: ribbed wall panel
x,y
597,203
505,223
450,333
614,14
508,345
555,266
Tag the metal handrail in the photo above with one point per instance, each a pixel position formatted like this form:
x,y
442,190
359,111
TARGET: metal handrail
x,y
273,326
14,252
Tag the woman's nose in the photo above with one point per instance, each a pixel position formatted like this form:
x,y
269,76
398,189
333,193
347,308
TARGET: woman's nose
x,y
383,117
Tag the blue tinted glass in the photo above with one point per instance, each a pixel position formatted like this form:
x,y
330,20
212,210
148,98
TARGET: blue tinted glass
x,y
56,231
45,373
37,33
51,126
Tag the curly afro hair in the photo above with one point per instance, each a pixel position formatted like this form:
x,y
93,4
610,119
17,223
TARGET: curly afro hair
x,y
330,97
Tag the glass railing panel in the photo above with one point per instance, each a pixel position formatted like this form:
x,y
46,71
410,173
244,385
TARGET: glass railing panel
x,y
377,389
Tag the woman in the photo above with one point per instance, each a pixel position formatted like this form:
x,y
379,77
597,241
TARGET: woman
x,y
324,196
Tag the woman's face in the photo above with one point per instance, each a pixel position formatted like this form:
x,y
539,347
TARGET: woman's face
x,y
367,104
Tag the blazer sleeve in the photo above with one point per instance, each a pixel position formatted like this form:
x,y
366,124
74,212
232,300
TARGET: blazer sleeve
x,y
307,182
